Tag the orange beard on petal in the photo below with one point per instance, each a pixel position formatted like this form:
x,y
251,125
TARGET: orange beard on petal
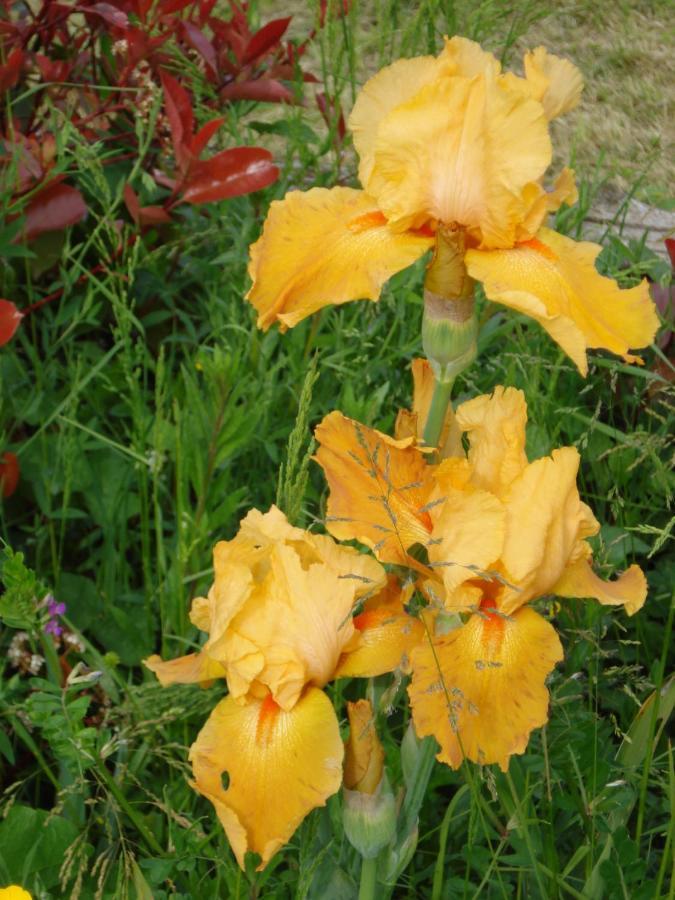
x,y
269,710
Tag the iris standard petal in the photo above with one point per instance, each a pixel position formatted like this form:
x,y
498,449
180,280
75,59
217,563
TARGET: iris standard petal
x,y
323,247
545,521
480,690
391,86
461,152
278,766
553,279
495,424
555,81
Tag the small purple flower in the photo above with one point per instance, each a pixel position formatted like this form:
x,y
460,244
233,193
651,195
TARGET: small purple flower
x,y
54,628
54,610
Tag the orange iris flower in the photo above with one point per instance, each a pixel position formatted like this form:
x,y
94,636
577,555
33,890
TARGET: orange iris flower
x,y
451,142
280,625
486,533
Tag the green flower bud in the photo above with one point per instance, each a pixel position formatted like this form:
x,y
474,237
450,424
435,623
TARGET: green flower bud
x,y
370,819
449,326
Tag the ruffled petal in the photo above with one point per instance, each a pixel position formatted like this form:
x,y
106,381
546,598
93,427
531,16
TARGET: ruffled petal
x,y
391,86
461,56
554,280
323,247
554,81
461,151
542,202
385,635
545,525
195,668
280,766
298,623
378,487
467,537
480,691
495,424
628,590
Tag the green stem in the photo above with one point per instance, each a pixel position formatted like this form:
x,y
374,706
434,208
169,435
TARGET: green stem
x,y
439,406
368,879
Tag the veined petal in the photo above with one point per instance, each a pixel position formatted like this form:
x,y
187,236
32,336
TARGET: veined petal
x,y
281,765
628,590
391,86
545,523
554,280
496,427
481,690
556,82
461,151
323,247
378,487
195,668
385,635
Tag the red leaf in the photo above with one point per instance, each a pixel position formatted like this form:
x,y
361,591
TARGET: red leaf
x,y
670,247
240,170
179,112
131,202
265,39
204,135
153,215
166,7
9,473
264,89
10,318
56,207
107,11
10,71
198,40
52,70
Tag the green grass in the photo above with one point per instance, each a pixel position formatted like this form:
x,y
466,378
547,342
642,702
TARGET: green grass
x,y
149,413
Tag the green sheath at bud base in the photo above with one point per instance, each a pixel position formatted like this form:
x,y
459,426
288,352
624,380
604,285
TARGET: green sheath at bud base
x,y
369,819
449,326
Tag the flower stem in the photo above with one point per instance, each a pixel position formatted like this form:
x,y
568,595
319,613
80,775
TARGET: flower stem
x,y
437,411
368,879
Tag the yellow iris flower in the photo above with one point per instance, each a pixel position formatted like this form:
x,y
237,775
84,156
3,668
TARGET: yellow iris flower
x,y
280,626
14,892
486,533
451,143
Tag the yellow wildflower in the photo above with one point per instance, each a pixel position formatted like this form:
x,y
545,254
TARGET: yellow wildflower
x,y
496,532
14,892
451,144
280,626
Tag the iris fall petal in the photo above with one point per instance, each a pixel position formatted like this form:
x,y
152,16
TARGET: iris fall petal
x,y
554,280
323,247
491,693
279,765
